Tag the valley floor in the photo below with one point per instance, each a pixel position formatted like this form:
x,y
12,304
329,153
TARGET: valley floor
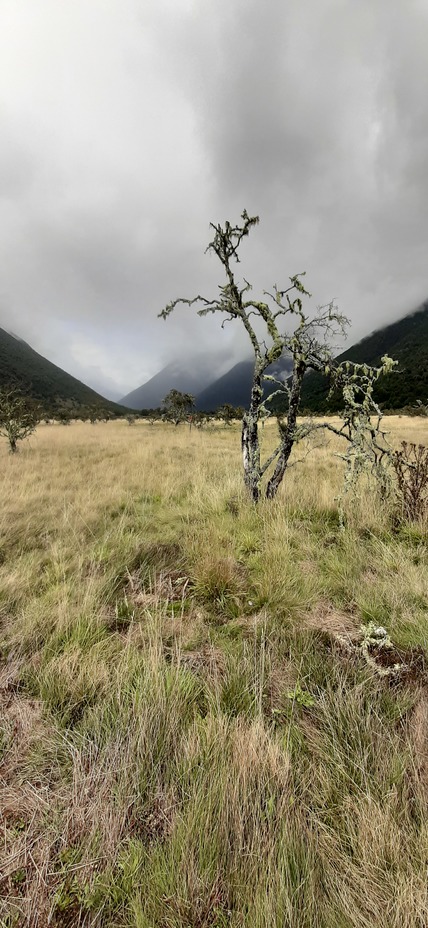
x,y
190,734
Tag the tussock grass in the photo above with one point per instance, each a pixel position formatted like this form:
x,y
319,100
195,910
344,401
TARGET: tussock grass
x,y
183,742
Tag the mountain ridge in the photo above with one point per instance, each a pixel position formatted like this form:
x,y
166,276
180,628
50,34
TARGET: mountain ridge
x,y
175,375
406,341
44,381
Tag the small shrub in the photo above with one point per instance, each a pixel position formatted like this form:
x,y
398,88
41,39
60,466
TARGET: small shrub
x,y
19,415
411,469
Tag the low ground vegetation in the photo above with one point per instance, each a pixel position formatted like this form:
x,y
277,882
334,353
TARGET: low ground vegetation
x,y
197,729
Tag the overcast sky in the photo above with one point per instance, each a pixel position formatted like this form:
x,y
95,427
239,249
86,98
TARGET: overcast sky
x,y
127,125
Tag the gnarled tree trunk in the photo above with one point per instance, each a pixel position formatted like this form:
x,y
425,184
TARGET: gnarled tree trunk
x,y
288,435
250,438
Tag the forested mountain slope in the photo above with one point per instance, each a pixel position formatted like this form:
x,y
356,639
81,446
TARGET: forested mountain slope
x,y
407,342
44,381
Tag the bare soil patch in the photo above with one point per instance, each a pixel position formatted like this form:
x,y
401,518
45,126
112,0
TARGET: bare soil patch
x,y
327,618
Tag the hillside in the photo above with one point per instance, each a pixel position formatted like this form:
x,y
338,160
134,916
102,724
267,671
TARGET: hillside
x,y
188,378
196,377
44,381
234,387
407,342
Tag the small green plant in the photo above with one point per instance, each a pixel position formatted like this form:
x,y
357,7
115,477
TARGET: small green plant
x,y
301,697
67,897
19,876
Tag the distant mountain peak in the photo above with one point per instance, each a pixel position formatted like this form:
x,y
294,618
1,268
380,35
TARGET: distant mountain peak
x,y
151,394
233,386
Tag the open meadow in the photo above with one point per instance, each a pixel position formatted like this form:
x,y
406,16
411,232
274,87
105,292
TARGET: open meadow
x,y
192,734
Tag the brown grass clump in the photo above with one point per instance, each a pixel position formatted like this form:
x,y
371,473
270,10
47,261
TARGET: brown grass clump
x,y
24,802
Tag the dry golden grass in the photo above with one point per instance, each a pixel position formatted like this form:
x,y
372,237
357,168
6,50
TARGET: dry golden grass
x,y
183,741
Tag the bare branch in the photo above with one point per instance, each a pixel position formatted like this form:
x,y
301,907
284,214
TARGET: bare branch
x,y
270,460
197,299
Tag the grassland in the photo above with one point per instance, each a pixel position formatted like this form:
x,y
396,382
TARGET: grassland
x,y
189,737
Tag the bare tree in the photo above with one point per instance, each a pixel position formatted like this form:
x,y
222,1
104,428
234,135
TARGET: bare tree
x,y
19,415
308,343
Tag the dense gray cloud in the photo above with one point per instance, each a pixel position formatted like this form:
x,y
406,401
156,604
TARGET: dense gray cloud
x,y
127,127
